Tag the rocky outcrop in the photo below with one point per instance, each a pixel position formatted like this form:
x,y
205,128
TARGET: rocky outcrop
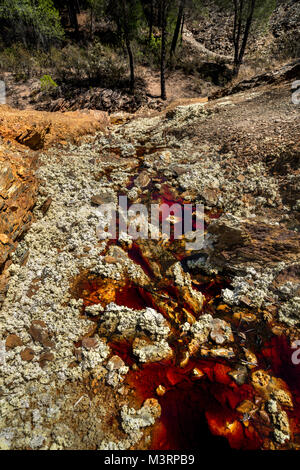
x,y
38,130
287,72
18,192
240,243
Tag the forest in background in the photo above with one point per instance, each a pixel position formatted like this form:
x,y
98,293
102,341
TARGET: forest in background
x,y
103,43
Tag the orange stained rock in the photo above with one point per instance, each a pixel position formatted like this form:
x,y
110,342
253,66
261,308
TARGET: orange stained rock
x,y
41,129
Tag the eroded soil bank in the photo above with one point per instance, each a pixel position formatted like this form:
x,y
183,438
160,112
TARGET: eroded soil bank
x,y
116,344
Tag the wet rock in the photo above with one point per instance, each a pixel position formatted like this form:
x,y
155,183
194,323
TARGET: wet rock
x,y
221,331
215,328
250,358
245,407
130,323
116,371
239,375
91,358
220,352
160,391
133,421
146,351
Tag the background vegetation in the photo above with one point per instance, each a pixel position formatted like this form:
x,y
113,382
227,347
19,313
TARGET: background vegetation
x,y
99,42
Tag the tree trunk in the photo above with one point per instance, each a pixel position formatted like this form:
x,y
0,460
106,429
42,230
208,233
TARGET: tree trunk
x,y
177,27
131,63
151,20
73,15
91,22
163,50
128,46
182,25
247,31
238,26
239,50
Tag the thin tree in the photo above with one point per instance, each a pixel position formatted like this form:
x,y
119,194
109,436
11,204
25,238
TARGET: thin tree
x,y
126,28
243,16
164,7
151,20
126,14
178,26
72,10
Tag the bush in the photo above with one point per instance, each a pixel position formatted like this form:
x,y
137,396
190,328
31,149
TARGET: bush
x,y
36,23
47,84
94,65
18,60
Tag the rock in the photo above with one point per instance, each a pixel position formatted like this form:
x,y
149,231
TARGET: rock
x,y
18,191
287,72
198,373
46,205
142,180
110,260
251,359
201,329
245,407
12,341
94,310
104,198
45,357
280,422
160,391
239,375
94,357
34,137
130,323
135,420
215,328
221,331
89,343
215,353
27,354
242,242
37,130
146,351
116,371
38,331
4,239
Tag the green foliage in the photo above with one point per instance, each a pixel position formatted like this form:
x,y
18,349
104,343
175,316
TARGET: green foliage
x,y
127,15
32,21
96,64
155,44
262,11
47,84
17,60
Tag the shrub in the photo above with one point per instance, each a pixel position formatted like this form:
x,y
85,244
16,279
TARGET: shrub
x,y
94,65
17,60
47,84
